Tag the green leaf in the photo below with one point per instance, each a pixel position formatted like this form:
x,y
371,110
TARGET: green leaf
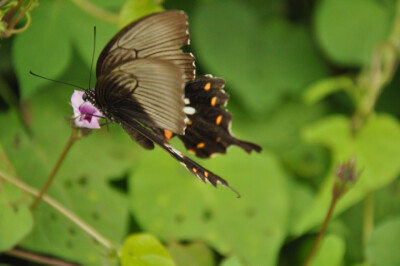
x,y
135,9
231,261
322,88
258,62
375,146
16,220
382,248
348,31
46,47
15,224
331,252
185,208
192,254
144,250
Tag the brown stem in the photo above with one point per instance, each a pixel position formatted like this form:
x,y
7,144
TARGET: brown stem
x,y
10,14
322,231
15,21
37,258
73,137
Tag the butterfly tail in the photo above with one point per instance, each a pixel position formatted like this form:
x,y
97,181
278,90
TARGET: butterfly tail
x,y
193,167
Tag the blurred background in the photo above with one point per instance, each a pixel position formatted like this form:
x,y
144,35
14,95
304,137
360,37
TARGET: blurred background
x,y
314,82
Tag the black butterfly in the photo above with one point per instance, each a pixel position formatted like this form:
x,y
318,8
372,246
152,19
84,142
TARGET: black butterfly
x,y
147,84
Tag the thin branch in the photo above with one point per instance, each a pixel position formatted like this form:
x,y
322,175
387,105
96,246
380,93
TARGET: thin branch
x,y
322,231
73,137
44,260
96,11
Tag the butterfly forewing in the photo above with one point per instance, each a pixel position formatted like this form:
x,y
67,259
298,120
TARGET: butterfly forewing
x,y
133,89
160,36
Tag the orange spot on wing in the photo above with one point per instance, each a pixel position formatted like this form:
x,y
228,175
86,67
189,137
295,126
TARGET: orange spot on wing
x,y
206,174
168,134
218,120
191,151
207,87
200,145
194,170
214,101
189,122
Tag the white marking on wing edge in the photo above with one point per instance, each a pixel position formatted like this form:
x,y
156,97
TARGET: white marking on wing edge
x,y
173,150
189,110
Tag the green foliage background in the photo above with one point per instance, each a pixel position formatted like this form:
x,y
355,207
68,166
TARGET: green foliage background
x,y
300,75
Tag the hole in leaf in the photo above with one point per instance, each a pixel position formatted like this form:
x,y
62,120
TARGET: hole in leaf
x,y
53,216
120,183
251,212
179,218
68,183
72,231
17,141
83,180
96,215
70,245
207,215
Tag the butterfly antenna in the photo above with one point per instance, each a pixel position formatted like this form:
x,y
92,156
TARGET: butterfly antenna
x,y
94,49
56,81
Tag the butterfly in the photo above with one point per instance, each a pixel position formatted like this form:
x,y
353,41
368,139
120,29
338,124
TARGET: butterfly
x,y
147,84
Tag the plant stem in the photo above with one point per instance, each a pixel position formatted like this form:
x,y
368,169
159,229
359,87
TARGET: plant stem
x,y
368,222
23,11
73,137
10,14
43,260
384,63
61,209
97,12
322,231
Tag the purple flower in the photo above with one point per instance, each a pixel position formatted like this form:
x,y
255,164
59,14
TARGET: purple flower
x,y
86,115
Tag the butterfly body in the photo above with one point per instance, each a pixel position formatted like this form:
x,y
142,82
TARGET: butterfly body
x,y
147,84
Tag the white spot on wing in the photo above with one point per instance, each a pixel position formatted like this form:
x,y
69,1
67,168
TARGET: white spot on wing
x,y
189,110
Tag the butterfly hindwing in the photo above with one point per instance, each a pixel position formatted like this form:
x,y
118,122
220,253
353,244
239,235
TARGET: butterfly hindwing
x,y
208,130
193,167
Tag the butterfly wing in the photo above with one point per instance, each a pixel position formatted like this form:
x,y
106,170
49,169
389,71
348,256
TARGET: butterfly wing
x,y
208,130
158,36
148,90
193,167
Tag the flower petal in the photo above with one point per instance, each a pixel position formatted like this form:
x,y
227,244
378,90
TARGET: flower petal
x,y
86,115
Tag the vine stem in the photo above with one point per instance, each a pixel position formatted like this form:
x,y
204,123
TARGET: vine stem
x,y
322,231
61,209
22,13
368,221
73,137
37,258
96,11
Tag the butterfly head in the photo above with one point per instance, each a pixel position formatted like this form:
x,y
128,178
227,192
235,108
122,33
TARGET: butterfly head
x,y
88,95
